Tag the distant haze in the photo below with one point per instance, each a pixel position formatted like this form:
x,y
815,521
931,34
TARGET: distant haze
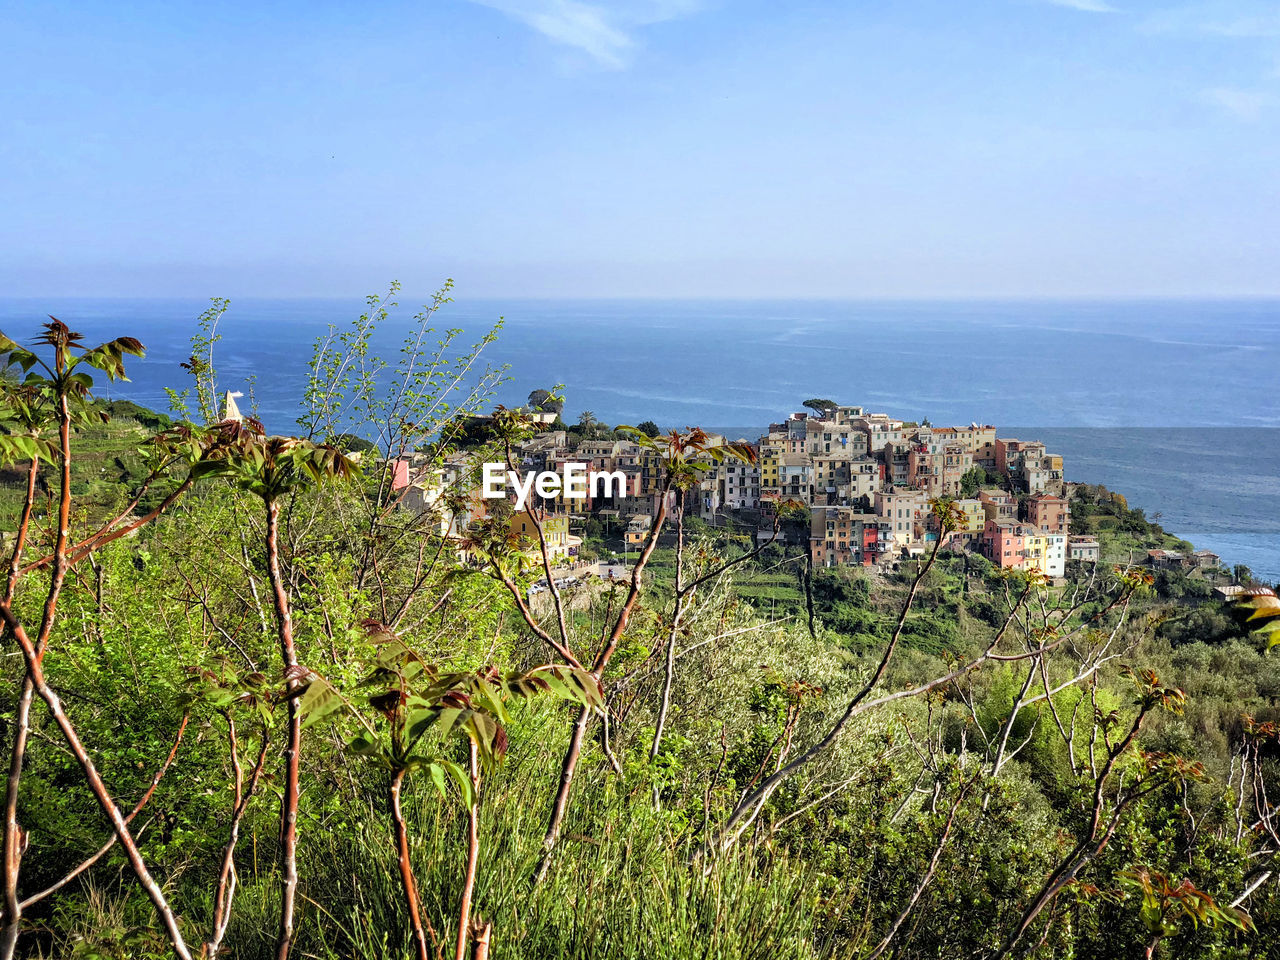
x,y
641,148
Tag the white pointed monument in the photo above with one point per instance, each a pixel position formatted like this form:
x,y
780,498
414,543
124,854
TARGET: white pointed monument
x,y
230,411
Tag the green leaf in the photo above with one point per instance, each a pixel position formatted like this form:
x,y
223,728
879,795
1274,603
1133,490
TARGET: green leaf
x,y
463,781
438,779
362,746
109,357
210,468
16,355
567,683
449,717
490,699
418,720
1271,633
318,702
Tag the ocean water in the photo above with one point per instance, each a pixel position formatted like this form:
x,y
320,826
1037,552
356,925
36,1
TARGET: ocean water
x,y
1176,404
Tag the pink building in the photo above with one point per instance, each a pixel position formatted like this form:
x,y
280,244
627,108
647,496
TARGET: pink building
x,y
1006,451
1005,543
399,476
1048,514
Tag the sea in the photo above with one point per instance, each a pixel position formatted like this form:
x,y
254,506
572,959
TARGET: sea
x,y
1174,403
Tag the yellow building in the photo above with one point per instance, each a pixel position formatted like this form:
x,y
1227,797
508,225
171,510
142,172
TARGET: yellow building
x,y
975,517
1035,556
555,529
651,470
973,437
638,527
770,460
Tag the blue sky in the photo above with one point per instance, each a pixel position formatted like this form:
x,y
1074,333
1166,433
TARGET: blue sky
x,y
641,147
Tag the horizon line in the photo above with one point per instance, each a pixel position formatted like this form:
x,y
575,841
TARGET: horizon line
x,y
691,298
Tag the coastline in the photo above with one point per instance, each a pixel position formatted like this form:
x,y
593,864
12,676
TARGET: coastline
x,y
1109,375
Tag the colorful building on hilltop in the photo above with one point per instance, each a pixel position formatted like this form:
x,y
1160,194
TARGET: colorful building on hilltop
x,y
998,506
770,461
825,438
447,493
896,455
1027,463
1012,545
879,428
843,536
1084,549
904,512
740,484
936,467
971,523
1049,514
1004,543
638,527
1046,552
795,477
399,475
974,438
555,531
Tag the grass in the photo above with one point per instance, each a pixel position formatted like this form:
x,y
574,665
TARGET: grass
x,y
621,887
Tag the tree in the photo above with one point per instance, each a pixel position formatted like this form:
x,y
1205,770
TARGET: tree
x,y
1151,771
1038,643
424,400
272,468
686,458
823,408
546,401
1165,902
648,428
225,690
974,478
58,397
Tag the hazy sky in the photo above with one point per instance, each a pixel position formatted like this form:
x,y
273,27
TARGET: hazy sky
x,y
640,147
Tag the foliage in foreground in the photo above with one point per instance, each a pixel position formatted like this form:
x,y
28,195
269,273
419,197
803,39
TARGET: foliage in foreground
x,y
259,710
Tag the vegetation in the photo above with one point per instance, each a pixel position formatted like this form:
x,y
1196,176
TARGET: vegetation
x,y
820,406
256,708
1126,534
974,479
546,401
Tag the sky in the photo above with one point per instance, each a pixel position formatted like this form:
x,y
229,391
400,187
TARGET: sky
x,y
641,148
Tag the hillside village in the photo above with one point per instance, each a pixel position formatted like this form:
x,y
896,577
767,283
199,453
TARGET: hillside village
x,y
866,479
